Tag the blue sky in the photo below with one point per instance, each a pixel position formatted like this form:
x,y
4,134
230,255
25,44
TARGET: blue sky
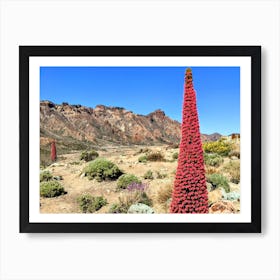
x,y
145,89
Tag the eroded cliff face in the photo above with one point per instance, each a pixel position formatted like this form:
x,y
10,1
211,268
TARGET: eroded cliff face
x,y
110,124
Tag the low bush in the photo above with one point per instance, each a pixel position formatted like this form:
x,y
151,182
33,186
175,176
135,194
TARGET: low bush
x,y
134,194
88,155
143,159
148,175
90,204
233,196
218,180
45,175
220,147
213,159
175,156
118,208
102,169
125,180
140,208
155,156
51,189
161,175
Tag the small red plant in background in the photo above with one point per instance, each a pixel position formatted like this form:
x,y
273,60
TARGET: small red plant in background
x,y
53,151
190,193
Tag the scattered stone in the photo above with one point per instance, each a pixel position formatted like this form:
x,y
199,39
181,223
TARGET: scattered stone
x,y
82,175
58,178
223,207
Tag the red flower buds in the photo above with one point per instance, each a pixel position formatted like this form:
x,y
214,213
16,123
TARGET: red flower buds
x,y
190,193
53,151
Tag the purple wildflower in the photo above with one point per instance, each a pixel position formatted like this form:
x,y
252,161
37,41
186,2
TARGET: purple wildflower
x,y
136,187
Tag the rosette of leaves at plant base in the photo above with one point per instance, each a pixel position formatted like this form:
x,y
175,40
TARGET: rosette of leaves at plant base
x,y
102,169
89,155
51,189
125,180
90,204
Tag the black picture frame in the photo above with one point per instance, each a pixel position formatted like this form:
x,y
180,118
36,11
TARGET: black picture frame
x,y
254,52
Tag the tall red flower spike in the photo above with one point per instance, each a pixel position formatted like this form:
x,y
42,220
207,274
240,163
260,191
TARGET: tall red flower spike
x,y
53,151
190,193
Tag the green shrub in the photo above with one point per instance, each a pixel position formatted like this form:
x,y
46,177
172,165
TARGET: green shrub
x,y
155,156
161,175
143,159
148,175
45,175
89,155
125,180
175,156
129,198
118,208
220,147
140,208
102,169
213,159
51,189
90,204
218,180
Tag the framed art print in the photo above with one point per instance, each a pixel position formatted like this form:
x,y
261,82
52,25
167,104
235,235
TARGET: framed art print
x,y
140,138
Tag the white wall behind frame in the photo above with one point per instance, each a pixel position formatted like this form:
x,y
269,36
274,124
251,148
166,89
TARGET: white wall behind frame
x,y
179,256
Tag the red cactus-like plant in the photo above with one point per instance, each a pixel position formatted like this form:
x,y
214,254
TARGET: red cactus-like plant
x,y
53,151
190,193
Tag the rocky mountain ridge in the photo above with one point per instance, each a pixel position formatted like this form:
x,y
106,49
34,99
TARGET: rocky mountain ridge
x,y
108,125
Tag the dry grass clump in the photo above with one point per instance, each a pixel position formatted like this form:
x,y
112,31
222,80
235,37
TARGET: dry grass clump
x,y
164,193
155,156
210,170
233,169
